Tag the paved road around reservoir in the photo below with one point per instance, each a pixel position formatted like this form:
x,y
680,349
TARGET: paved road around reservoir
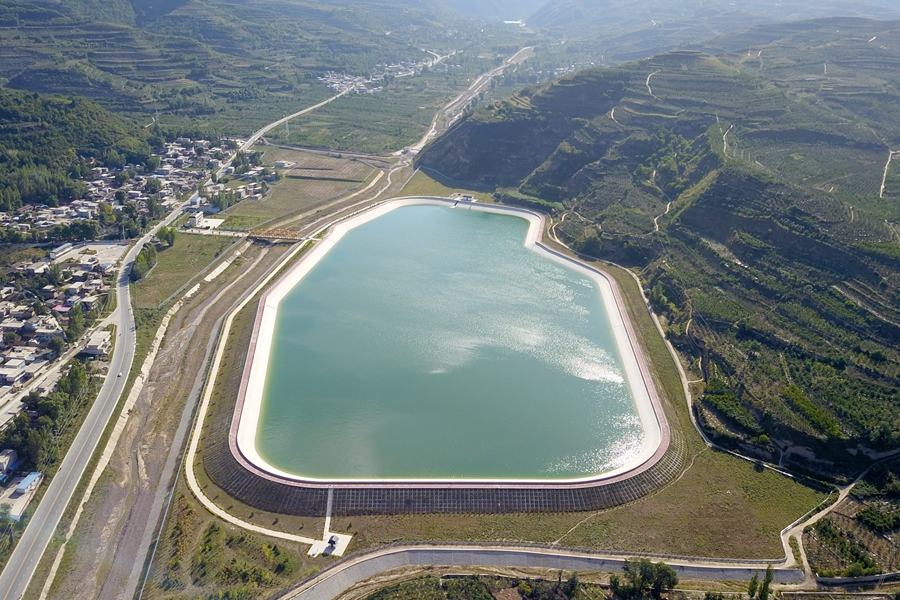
x,y
334,581
40,530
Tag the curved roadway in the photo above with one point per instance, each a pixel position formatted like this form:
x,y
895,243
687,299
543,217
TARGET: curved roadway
x,y
41,527
332,582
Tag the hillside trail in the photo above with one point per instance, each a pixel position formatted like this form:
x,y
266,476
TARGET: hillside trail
x,y
725,141
892,154
657,217
647,83
795,530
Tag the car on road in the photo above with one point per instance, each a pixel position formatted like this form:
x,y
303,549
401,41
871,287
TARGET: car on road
x,y
119,375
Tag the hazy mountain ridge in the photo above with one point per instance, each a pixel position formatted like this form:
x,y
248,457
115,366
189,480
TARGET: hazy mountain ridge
x,y
600,14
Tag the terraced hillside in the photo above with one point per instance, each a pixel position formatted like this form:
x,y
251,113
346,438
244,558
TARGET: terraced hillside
x,y
228,67
746,189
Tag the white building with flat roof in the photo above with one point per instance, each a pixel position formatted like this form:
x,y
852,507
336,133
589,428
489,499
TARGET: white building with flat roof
x,y
98,344
196,219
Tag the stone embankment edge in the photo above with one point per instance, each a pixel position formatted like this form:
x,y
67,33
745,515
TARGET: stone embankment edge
x,y
242,437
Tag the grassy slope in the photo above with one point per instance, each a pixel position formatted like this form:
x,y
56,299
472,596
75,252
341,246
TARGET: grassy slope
x,y
316,178
176,266
429,183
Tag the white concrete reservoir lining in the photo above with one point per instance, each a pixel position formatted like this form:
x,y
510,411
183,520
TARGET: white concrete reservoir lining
x,y
250,403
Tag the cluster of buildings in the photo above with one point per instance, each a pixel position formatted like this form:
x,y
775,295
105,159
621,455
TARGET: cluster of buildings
x,y
16,491
340,82
31,217
182,165
206,204
25,348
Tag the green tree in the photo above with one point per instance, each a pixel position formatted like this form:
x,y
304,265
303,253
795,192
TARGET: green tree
x,y
664,578
76,323
571,585
643,578
152,185
145,261
57,345
753,586
766,588
54,273
167,235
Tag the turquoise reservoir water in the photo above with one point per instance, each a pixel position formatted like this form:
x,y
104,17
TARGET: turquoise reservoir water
x,y
430,343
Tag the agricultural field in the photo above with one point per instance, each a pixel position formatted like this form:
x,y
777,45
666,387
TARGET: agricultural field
x,y
315,178
859,536
176,266
398,116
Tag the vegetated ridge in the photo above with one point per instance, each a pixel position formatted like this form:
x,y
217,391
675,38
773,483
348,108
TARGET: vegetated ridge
x,y
47,143
744,187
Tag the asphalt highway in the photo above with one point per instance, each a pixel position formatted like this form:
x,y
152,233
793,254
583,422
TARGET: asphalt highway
x,y
40,530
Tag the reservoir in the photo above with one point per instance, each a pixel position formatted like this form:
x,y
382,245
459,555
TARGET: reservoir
x,y
431,343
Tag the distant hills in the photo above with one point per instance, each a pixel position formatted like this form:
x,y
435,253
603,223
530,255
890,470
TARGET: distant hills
x,y
138,12
613,31
505,9
201,58
211,60
743,183
630,14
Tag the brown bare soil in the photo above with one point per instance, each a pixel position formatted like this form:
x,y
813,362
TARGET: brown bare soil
x,y
106,545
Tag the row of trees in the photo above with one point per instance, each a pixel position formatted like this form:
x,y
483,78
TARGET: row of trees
x,y
146,260
641,579
38,442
